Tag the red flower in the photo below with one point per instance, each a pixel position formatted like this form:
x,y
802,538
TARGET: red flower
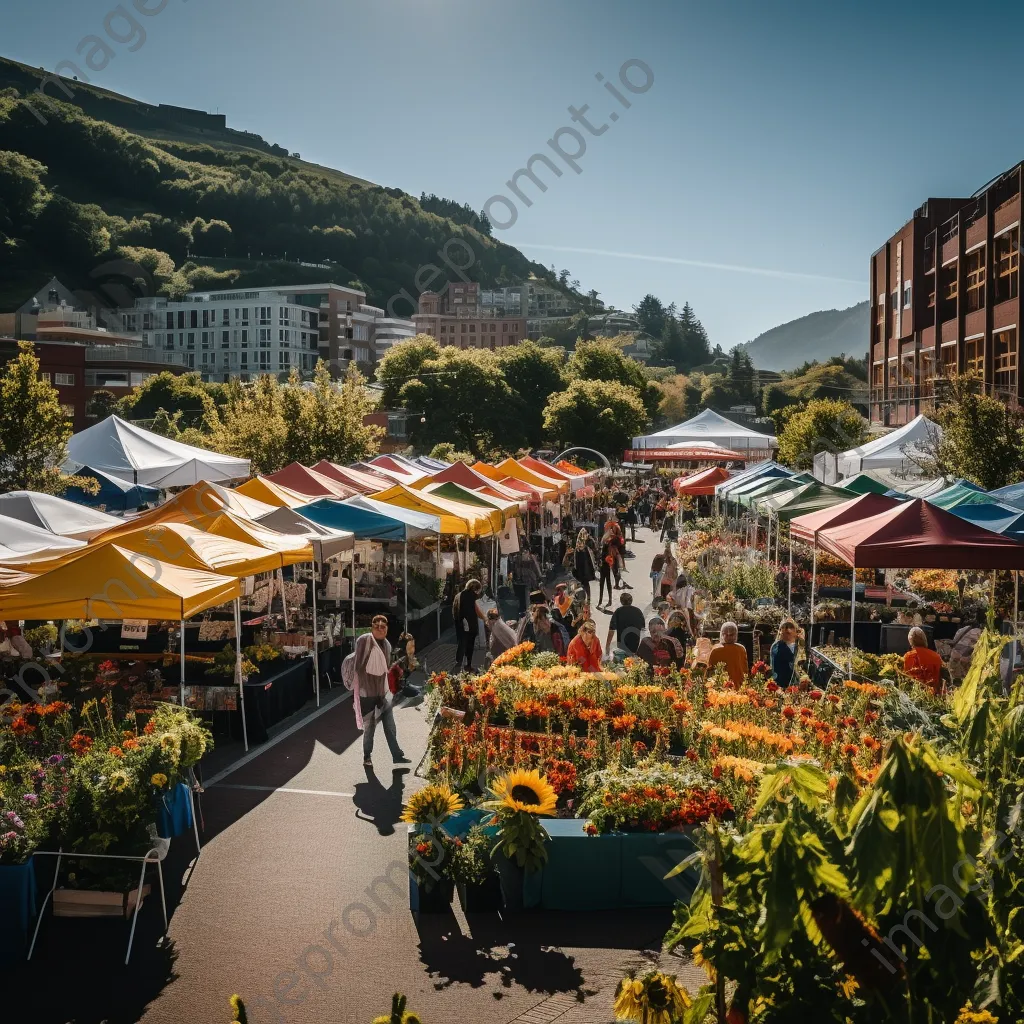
x,y
716,772
771,686
691,754
850,750
816,695
834,698
789,711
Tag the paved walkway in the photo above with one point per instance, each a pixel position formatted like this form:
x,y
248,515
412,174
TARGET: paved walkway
x,y
299,902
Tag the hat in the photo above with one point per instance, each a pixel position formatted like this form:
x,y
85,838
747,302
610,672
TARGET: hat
x,y
559,586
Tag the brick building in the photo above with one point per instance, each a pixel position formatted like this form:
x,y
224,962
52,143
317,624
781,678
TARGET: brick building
x,y
456,316
945,298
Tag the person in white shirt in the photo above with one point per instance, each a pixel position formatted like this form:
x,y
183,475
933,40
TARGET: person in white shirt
x,y
682,597
501,634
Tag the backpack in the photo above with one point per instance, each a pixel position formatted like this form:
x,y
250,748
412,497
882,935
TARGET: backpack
x,y
348,670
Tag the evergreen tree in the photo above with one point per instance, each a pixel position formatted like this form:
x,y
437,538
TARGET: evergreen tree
x,y
743,376
670,347
650,315
696,346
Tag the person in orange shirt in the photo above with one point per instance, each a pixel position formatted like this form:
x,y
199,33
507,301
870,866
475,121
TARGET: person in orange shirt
x,y
921,662
731,654
585,648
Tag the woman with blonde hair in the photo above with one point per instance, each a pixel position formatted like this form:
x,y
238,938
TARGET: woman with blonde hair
x,y
583,561
585,648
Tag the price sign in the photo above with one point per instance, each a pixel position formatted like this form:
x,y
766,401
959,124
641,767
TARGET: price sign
x,y
134,629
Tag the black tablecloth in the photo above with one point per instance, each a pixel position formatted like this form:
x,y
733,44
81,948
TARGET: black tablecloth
x,y
275,694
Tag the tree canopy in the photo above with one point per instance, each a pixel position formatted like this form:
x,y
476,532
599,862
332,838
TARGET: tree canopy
x,y
826,424
601,414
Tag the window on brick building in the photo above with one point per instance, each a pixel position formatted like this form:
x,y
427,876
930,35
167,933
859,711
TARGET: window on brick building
x,y
974,356
1004,350
947,360
1007,265
877,375
976,280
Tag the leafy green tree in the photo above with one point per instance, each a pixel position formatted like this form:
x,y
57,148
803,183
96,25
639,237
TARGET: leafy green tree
x,y
402,363
825,424
447,452
696,345
22,193
670,345
673,406
102,404
252,425
579,326
534,374
34,429
603,360
982,438
185,394
650,314
464,398
602,414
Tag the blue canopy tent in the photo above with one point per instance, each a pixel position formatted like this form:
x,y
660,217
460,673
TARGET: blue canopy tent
x,y
999,518
1011,494
115,494
368,520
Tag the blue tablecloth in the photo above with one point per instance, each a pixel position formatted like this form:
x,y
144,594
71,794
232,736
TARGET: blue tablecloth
x,y
17,907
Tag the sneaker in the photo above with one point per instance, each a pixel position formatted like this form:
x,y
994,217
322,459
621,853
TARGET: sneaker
x,y
402,759
367,762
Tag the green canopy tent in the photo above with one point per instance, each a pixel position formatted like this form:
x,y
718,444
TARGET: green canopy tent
x,y
961,493
863,483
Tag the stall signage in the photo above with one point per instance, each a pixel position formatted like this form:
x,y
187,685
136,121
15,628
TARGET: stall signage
x,y
134,629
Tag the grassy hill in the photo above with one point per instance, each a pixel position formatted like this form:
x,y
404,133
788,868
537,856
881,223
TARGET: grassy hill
x,y
200,205
831,332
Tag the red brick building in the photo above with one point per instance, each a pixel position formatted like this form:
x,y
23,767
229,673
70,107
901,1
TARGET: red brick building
x,y
945,298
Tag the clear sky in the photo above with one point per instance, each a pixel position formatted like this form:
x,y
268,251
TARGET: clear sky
x,y
778,146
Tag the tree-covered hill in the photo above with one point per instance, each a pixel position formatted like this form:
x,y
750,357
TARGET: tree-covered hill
x,y
821,335
108,178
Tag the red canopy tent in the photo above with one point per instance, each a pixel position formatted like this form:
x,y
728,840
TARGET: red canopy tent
x,y
307,481
701,483
919,535
363,483
805,528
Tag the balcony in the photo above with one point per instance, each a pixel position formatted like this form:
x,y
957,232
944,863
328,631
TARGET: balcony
x,y
131,354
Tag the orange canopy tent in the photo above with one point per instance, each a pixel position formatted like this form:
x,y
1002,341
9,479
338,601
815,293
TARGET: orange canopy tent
x,y
702,483
568,467
292,549
515,469
264,489
307,481
182,544
545,468
456,517
360,481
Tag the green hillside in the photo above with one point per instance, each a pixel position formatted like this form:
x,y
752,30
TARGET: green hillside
x,y
830,332
201,205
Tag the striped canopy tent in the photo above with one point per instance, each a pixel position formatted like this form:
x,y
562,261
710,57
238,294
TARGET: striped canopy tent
x,y
808,498
360,481
702,483
746,476
307,481
373,471
1011,494
398,470
761,489
264,489
456,518
466,476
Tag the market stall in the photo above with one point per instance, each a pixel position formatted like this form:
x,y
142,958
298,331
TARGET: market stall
x,y
361,482
56,515
270,493
299,478
116,495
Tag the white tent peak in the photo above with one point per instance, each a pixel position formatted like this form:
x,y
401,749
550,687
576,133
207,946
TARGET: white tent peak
x,y
890,451
707,428
56,516
116,446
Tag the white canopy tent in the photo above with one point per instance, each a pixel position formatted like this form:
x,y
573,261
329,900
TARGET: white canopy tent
x,y
708,428
115,446
21,541
896,450
56,516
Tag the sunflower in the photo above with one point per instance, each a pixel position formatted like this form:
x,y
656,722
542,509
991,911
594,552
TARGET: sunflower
x,y
526,791
654,998
118,782
159,780
431,805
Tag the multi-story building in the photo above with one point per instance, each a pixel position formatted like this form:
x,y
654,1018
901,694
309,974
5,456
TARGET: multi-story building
x,y
455,316
223,334
544,301
945,298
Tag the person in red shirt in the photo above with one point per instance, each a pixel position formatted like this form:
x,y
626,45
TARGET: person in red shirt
x,y
585,648
921,662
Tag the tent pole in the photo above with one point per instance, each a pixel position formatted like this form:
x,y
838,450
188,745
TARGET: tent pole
x,y
316,642
405,578
814,577
789,596
352,595
181,685
238,668
1016,612
437,575
853,611
284,599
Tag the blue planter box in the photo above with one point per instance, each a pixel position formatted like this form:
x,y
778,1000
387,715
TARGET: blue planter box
x,y
174,812
17,907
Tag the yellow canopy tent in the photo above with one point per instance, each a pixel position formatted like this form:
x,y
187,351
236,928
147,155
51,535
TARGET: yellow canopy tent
x,y
518,472
292,549
543,488
111,582
456,518
185,545
469,496
270,493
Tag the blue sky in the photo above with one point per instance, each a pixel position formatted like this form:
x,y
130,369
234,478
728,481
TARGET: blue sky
x,y
779,144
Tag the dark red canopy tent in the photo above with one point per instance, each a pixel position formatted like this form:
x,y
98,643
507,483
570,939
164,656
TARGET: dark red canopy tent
x,y
307,481
363,483
702,483
804,528
919,535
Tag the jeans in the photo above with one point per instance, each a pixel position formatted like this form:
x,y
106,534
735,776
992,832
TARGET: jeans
x,y
368,706
605,580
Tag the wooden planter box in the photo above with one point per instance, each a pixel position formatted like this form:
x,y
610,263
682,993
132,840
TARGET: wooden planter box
x,y
96,903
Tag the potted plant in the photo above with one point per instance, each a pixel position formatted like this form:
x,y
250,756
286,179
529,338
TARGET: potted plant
x,y
519,800
475,878
430,848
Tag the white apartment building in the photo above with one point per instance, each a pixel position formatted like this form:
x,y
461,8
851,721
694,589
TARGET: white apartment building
x,y
224,334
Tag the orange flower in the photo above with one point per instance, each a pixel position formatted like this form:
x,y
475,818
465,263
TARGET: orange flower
x,y
850,750
870,742
623,723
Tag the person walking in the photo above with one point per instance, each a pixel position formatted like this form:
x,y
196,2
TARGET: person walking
x,y
502,635
626,625
465,615
669,572
609,554
372,658
583,561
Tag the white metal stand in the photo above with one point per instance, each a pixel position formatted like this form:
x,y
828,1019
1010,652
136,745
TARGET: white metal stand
x,y
316,636
238,673
181,684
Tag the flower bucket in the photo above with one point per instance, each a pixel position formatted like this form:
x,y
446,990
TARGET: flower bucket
x,y
96,903
435,900
174,812
17,907
520,889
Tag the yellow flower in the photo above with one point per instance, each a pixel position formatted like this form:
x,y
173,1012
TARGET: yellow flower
x,y
159,780
118,782
656,998
526,791
431,805
848,986
970,1016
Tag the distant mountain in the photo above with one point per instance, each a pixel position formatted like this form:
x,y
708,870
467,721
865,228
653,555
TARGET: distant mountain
x,y
831,332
